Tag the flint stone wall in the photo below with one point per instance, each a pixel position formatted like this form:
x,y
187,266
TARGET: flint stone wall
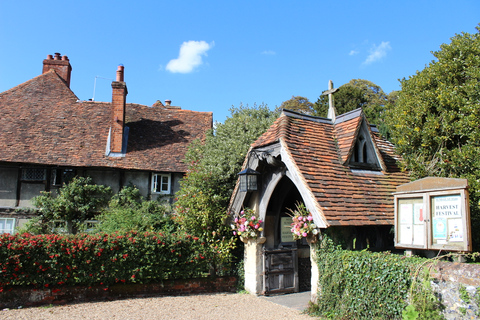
x,y
458,287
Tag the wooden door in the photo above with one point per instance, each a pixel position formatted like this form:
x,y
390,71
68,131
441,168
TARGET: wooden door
x,y
280,271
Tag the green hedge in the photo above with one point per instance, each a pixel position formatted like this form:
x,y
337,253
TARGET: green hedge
x,y
102,259
363,284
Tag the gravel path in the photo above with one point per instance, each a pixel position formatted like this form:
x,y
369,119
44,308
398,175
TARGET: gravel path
x,y
198,307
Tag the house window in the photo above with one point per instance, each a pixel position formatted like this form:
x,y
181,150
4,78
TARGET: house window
x,y
161,183
61,176
34,174
7,225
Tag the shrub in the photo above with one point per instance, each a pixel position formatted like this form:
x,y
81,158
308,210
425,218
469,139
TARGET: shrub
x,y
101,259
128,210
79,200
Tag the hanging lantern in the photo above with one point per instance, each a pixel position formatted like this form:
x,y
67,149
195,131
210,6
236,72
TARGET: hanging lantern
x,y
249,180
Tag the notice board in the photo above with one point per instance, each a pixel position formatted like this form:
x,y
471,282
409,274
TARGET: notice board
x,y
433,213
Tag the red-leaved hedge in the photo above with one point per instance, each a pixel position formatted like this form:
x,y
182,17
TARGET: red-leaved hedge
x,y
102,259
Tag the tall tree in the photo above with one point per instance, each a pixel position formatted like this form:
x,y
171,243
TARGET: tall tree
x,y
357,93
346,99
435,123
298,104
202,200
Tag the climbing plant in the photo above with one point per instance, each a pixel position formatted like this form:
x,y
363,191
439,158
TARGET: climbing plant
x,y
371,285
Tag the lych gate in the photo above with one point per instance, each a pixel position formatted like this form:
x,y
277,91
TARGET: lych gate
x,y
275,262
314,161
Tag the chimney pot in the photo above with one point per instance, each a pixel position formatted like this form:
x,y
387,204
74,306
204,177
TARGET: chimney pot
x,y
168,102
57,56
120,70
65,58
49,57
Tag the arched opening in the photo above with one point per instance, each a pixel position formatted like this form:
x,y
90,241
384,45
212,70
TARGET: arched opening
x,y
284,198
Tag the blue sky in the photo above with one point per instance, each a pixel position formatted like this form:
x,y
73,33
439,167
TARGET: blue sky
x,y
212,55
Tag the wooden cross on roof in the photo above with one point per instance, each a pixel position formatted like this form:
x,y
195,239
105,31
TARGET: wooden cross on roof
x,y
332,113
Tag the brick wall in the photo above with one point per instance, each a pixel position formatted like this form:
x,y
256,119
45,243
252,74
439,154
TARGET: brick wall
x,y
30,297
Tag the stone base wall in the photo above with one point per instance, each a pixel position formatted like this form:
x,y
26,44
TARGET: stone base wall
x,y
458,287
30,297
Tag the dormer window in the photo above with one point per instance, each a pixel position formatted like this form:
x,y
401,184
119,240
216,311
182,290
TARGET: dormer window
x,y
363,153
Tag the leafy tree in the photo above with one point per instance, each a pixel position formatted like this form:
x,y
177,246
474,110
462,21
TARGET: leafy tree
x,y
298,104
357,93
129,211
435,123
346,99
77,201
202,200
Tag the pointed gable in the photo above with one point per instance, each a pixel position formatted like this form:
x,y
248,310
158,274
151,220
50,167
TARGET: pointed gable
x,y
356,143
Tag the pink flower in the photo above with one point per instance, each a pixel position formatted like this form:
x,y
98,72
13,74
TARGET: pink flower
x,y
256,226
253,218
234,233
236,219
300,218
242,212
309,218
304,234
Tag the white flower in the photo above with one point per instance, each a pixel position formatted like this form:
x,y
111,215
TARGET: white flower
x,y
315,231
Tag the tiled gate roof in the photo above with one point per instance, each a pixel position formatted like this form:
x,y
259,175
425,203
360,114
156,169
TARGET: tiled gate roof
x,y
320,149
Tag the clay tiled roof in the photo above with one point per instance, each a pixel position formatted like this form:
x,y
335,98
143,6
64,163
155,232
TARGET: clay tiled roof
x,y
346,129
43,122
319,148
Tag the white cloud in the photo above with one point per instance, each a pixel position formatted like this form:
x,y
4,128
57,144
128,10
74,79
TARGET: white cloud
x,y
269,52
353,52
190,56
377,53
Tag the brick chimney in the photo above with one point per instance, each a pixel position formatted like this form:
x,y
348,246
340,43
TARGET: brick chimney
x,y
119,95
60,64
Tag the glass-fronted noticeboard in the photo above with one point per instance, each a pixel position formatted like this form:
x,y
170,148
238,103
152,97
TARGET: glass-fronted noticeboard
x,y
432,219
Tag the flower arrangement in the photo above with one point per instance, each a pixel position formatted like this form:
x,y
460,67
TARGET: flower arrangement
x,y
302,225
247,224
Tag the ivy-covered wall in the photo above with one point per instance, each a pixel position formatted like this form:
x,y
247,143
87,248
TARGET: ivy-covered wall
x,y
382,285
